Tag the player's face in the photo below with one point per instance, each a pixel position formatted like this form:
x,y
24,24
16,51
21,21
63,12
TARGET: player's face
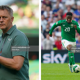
x,y
69,19
5,20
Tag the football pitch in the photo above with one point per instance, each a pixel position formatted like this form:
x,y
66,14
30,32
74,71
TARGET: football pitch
x,y
58,72
33,69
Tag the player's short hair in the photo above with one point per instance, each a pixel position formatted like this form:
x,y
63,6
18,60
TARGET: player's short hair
x,y
5,7
69,13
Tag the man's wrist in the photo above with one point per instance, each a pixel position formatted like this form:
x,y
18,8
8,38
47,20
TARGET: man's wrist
x,y
50,34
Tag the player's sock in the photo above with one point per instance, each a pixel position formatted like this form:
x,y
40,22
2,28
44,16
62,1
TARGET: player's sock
x,y
70,67
71,58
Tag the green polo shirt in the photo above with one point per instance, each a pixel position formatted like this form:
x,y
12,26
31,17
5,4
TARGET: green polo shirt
x,y
14,37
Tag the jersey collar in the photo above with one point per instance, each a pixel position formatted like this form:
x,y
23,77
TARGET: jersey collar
x,y
67,22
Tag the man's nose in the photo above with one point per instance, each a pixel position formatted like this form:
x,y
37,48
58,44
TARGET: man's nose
x,y
1,19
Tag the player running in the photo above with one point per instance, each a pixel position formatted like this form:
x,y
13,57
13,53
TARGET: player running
x,y
68,27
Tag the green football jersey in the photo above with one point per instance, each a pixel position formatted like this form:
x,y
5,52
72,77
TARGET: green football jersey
x,y
67,29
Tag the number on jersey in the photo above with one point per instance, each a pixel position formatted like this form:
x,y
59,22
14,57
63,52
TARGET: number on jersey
x,y
67,29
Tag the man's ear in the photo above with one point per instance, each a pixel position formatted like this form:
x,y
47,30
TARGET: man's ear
x,y
12,19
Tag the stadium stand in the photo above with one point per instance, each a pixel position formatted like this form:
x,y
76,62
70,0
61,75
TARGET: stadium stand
x,y
53,11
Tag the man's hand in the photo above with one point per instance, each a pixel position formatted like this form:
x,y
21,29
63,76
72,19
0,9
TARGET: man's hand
x,y
75,26
50,35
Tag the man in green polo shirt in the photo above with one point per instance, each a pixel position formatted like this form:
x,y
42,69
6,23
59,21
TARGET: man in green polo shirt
x,y
13,64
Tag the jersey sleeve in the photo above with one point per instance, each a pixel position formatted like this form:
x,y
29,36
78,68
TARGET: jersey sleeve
x,y
58,23
20,41
78,28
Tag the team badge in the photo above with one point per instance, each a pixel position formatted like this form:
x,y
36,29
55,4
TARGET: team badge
x,y
72,25
63,25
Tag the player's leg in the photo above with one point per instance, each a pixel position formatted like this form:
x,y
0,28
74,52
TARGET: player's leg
x,y
68,45
71,55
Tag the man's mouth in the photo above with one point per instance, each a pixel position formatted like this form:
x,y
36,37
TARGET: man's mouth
x,y
2,24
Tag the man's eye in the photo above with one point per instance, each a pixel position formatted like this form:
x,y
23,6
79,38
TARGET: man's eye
x,y
4,17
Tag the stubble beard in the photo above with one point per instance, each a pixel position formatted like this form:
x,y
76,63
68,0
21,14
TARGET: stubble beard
x,y
5,29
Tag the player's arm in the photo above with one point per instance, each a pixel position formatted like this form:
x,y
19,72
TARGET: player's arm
x,y
58,23
15,63
77,27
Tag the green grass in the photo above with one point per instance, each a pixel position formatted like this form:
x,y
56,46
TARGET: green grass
x,y
33,67
57,72
28,32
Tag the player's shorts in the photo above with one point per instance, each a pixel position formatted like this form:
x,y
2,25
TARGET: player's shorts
x,y
65,43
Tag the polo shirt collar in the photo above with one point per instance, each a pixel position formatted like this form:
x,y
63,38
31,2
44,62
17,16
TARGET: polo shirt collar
x,y
11,29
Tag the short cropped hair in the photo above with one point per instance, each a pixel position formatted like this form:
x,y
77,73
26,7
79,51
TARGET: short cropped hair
x,y
69,13
5,7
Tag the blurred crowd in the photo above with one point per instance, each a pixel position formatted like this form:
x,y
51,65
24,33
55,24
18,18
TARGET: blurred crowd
x,y
24,13
51,12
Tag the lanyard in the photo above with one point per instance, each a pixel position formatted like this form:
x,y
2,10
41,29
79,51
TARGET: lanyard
x,y
3,45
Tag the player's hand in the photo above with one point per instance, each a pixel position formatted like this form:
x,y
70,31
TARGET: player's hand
x,y
50,35
75,26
